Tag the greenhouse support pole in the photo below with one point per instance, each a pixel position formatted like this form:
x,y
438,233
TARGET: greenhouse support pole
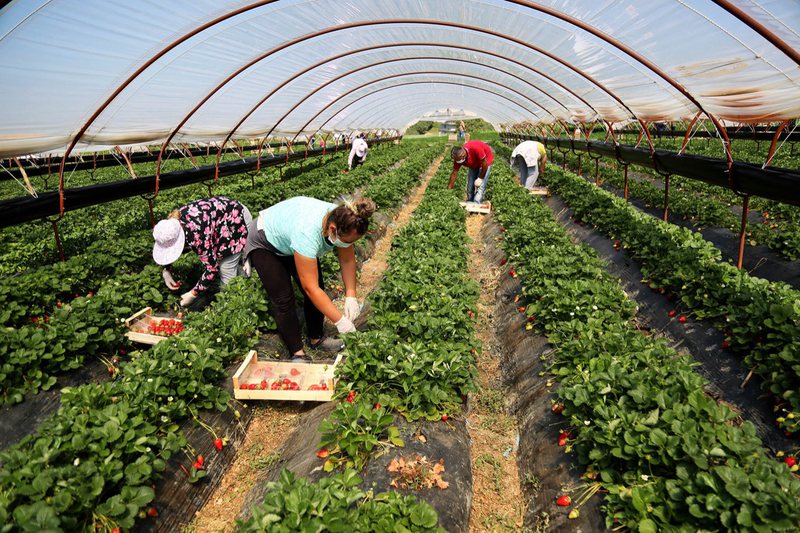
x,y
59,247
625,190
666,197
743,231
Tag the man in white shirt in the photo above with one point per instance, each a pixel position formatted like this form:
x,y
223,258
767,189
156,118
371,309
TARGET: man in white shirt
x,y
358,153
527,159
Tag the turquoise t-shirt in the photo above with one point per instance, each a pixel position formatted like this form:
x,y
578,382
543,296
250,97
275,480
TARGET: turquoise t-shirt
x,y
295,225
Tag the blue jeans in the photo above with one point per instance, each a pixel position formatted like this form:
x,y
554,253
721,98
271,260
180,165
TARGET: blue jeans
x,y
472,175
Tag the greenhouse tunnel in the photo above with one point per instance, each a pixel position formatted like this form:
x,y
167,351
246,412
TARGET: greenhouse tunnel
x,y
614,347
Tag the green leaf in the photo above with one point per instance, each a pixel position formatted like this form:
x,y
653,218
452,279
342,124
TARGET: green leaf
x,y
647,526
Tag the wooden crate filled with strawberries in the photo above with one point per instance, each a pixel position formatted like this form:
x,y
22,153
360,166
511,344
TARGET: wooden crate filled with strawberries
x,y
146,328
283,380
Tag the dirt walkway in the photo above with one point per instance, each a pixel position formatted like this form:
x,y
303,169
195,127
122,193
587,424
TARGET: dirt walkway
x,y
497,503
273,422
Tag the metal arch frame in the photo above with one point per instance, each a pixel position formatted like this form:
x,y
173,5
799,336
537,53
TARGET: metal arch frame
x,y
644,61
405,58
393,87
759,28
326,31
741,15
412,102
383,78
297,40
337,78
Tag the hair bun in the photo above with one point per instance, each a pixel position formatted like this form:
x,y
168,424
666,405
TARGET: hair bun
x,y
364,207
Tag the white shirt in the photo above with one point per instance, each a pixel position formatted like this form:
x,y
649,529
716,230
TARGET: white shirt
x,y
530,151
359,149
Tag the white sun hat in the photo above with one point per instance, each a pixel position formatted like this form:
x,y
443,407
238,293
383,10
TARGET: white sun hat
x,y
169,241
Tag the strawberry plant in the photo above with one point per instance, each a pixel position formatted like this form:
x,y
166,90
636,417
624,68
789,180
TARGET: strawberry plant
x,y
354,431
336,503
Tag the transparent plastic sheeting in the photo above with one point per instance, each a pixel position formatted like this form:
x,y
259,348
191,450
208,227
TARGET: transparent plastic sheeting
x,y
60,60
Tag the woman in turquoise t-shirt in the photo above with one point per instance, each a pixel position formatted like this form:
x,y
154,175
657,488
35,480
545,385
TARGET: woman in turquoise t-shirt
x,y
285,241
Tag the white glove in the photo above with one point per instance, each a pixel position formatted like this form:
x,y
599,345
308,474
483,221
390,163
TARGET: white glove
x,y
478,183
351,308
169,280
247,268
345,325
187,298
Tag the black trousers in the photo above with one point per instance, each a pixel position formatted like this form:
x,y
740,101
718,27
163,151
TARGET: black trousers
x,y
276,273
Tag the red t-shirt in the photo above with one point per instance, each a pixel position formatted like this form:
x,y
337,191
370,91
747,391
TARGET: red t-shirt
x,y
476,151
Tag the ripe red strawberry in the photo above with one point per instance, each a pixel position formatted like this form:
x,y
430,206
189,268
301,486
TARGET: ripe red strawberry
x,y
682,319
197,466
377,405
445,417
351,396
790,461
512,273
323,453
503,262
201,460
726,344
558,408
471,314
531,318
263,384
243,386
122,351
563,500
152,513
502,229
218,444
562,441
116,530
672,313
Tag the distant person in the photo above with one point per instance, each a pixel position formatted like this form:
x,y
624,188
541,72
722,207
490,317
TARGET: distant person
x,y
358,153
477,156
285,242
462,131
215,229
528,161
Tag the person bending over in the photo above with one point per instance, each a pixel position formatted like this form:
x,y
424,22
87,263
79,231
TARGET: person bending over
x,y
285,242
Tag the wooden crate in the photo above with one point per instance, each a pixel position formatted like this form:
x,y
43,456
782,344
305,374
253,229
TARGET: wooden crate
x,y
484,208
253,371
139,325
539,191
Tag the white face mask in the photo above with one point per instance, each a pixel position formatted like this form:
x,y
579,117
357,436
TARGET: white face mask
x,y
337,242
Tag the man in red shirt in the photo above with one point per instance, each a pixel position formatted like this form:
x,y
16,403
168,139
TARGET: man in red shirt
x,y
478,158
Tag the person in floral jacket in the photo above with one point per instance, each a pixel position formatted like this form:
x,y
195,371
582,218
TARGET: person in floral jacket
x,y
215,229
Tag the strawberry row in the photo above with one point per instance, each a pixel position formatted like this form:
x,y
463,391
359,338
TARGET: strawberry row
x,y
418,357
710,205
92,465
668,456
390,365
760,319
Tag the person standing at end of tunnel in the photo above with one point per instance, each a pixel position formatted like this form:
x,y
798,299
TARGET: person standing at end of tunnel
x,y
478,157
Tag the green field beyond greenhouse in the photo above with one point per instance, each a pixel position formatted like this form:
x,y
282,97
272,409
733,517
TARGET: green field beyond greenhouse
x,y
400,266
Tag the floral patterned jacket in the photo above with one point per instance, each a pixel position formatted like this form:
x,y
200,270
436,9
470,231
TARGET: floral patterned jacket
x,y
215,228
